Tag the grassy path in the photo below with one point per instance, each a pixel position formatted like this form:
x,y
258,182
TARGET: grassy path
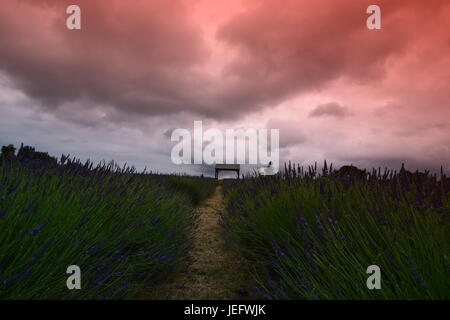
x,y
214,272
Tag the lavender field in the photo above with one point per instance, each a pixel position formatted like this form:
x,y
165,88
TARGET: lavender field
x,y
127,230
306,234
303,233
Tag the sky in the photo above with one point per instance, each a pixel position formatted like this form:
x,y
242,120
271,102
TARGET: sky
x,y
139,69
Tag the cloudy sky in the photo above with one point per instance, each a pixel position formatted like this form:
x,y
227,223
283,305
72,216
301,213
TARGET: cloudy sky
x,y
139,69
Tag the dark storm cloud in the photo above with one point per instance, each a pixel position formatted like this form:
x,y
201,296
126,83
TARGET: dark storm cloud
x,y
134,57
150,66
299,47
332,109
145,58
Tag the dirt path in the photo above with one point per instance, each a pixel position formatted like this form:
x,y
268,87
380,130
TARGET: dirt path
x,y
215,273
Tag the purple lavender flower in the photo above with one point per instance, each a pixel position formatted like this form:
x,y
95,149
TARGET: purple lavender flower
x,y
303,220
37,229
22,274
154,221
416,273
278,250
332,217
41,251
92,250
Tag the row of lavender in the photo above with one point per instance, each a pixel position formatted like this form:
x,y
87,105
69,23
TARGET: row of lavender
x,y
125,230
311,235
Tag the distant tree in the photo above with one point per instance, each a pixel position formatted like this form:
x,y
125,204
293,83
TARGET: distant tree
x,y
351,172
8,151
30,157
25,152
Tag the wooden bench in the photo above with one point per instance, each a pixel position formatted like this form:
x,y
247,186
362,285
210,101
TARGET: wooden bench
x,y
227,167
